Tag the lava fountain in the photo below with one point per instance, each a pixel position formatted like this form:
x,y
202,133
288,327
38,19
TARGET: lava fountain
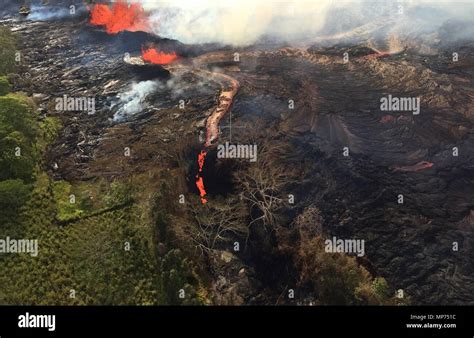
x,y
157,57
119,17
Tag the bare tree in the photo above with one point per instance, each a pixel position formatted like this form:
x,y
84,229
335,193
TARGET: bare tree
x,y
216,225
265,182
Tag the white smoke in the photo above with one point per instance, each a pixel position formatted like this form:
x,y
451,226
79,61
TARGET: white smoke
x,y
235,22
244,22
133,101
45,12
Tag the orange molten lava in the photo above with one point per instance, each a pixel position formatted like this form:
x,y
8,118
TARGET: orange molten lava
x,y
202,190
159,58
201,158
199,180
119,17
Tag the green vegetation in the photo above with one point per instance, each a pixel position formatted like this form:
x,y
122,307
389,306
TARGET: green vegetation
x,y
101,258
338,279
49,129
18,155
7,51
67,206
5,86
18,135
13,194
178,280
86,262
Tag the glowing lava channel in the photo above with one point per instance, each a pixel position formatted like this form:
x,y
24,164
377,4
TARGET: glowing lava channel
x,y
199,180
212,125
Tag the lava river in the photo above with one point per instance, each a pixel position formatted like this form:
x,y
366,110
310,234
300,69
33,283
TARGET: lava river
x,y
229,88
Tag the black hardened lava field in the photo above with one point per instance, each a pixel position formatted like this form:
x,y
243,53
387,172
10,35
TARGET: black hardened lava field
x,y
237,153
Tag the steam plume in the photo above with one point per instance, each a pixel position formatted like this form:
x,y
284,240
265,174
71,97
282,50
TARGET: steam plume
x,y
133,101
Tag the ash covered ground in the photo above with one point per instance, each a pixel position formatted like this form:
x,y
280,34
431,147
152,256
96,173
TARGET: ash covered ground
x,y
314,111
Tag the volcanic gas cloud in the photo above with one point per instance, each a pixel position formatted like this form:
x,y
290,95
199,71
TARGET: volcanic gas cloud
x,y
119,17
157,57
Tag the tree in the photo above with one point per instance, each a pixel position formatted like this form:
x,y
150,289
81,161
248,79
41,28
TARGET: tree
x,y
17,157
18,134
17,114
337,279
177,280
216,225
13,194
264,183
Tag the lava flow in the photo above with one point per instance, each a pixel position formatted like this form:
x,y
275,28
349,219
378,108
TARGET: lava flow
x,y
119,17
157,57
199,180
225,102
212,125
